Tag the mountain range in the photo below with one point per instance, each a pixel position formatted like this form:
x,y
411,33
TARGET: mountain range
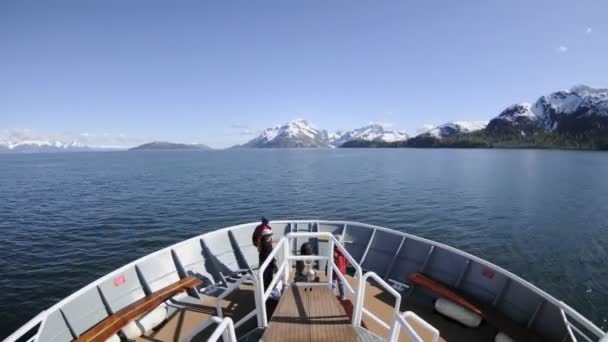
x,y
28,141
25,140
300,133
577,119
35,145
574,119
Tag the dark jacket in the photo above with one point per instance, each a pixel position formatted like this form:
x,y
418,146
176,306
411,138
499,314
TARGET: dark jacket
x,y
305,270
265,248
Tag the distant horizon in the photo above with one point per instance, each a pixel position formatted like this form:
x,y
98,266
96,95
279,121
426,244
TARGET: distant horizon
x,y
126,73
122,142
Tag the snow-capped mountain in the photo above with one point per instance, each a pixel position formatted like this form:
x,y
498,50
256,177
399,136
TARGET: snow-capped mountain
x,y
456,127
301,133
25,140
519,118
581,109
372,132
296,133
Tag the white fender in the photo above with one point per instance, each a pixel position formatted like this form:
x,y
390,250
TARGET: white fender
x,y
113,338
502,337
131,330
152,319
457,313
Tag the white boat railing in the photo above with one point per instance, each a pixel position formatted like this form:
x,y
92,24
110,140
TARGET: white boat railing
x,y
400,321
231,288
573,330
284,268
235,286
225,329
360,308
27,327
572,317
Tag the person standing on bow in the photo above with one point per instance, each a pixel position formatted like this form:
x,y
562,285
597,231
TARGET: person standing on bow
x,y
341,264
264,249
257,232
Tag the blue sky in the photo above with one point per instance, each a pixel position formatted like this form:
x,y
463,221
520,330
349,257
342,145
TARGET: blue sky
x,y
217,71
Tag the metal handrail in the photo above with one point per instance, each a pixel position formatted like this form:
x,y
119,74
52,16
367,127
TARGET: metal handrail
x,y
571,329
283,271
401,321
262,316
27,327
201,327
567,311
360,309
225,328
229,290
334,242
267,262
343,278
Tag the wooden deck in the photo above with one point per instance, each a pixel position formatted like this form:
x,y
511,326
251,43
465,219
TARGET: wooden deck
x,y
236,305
381,303
318,316
305,315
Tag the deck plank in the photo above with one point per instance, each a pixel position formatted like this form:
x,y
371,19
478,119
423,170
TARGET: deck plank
x,y
305,315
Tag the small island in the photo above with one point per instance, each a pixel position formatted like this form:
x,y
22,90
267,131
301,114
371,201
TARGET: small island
x,y
168,146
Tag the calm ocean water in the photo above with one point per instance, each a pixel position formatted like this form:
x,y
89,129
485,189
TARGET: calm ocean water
x,y
67,219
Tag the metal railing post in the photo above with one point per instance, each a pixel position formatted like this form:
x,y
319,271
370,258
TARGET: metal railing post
x,y
262,307
388,288
260,288
225,328
258,301
358,304
400,321
286,251
330,264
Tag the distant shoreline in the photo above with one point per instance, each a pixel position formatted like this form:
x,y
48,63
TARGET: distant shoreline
x,y
528,148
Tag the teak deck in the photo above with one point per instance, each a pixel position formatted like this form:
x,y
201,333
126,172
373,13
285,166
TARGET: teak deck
x,y
236,306
309,315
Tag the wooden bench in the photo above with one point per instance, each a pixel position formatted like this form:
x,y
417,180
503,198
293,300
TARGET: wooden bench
x,y
114,323
490,313
422,280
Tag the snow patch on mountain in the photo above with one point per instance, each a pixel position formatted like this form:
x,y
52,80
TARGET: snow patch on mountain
x,y
558,102
524,109
456,127
594,101
296,133
372,132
